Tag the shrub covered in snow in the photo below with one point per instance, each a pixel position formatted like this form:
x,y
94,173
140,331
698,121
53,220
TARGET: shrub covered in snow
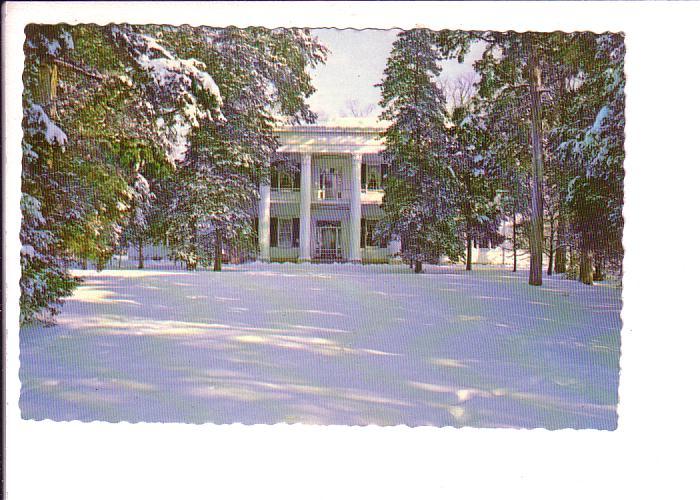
x,y
45,279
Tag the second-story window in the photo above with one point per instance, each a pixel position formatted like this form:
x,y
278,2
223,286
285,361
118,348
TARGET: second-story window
x,y
286,181
330,183
373,176
285,177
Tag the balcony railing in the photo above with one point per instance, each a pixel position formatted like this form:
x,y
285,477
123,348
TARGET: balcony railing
x,y
329,194
328,254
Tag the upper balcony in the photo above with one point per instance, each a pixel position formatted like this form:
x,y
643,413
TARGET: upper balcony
x,y
330,181
285,195
327,197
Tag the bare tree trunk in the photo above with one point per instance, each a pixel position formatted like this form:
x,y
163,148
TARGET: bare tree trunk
x,y
550,261
469,254
140,253
85,262
418,267
560,248
560,252
217,250
231,259
586,267
560,258
515,242
537,229
48,78
599,269
192,258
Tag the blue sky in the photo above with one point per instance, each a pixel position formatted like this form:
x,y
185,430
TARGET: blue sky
x,y
355,64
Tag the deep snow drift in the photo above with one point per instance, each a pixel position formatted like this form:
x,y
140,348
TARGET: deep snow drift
x,y
328,344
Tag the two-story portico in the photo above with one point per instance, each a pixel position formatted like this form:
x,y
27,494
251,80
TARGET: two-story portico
x,y
329,209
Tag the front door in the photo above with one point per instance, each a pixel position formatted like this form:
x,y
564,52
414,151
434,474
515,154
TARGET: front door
x,y
328,241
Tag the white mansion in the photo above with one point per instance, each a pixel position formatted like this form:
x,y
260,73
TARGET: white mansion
x,y
328,211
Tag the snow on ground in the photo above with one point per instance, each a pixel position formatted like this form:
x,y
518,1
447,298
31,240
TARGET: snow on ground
x,y
328,344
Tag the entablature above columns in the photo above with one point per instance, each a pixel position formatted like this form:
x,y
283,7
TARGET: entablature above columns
x,y
319,139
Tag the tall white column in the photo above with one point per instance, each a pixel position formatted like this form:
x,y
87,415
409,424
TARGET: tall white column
x,y
355,208
264,222
305,209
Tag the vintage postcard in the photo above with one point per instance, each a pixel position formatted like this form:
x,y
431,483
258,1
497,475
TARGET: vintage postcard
x,y
236,225
225,222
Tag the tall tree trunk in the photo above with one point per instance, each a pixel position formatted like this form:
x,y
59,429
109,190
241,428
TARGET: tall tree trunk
x,y
85,262
550,261
586,266
599,269
418,267
560,244
192,258
515,242
217,250
560,252
48,84
469,254
140,253
537,227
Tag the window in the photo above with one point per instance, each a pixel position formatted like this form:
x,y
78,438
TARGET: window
x,y
286,182
284,238
284,233
373,176
374,180
285,176
331,184
370,227
368,237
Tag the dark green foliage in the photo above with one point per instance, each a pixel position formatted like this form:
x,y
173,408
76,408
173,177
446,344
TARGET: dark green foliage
x,y
420,193
109,112
582,131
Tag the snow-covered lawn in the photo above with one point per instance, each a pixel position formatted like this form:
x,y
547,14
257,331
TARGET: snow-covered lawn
x,y
328,344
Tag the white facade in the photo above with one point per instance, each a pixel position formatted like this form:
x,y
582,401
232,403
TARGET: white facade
x,y
328,211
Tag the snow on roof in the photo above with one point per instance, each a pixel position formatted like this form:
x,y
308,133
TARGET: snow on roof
x,y
346,122
354,122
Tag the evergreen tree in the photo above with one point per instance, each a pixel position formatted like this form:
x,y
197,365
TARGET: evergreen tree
x,y
592,141
498,124
558,81
213,196
262,75
93,95
478,200
420,194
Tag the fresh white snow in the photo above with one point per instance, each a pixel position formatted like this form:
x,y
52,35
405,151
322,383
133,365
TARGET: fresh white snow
x,y
600,117
328,344
52,132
